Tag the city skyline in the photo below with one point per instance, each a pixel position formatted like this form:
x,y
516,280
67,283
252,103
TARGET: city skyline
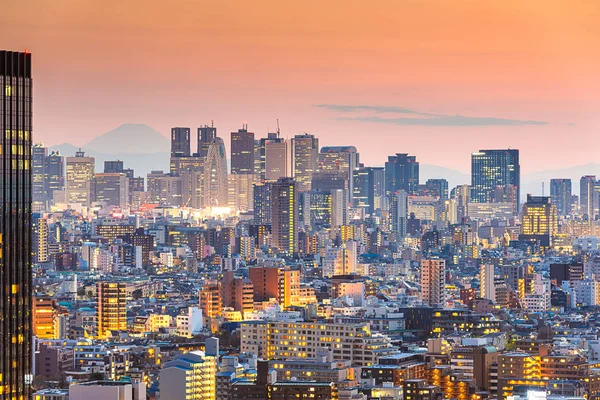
x,y
343,73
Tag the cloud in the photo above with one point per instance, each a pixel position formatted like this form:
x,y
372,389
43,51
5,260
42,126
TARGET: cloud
x,y
417,118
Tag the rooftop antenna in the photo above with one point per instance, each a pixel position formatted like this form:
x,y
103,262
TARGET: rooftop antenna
x,y
212,123
543,189
278,131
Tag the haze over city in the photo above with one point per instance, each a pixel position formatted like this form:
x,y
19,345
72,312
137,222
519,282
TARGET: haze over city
x,y
437,79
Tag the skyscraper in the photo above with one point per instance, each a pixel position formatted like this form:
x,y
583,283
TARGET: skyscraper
x,y
15,224
180,142
215,174
284,215
80,172
399,212
588,196
305,150
242,152
55,174
344,159
433,282
560,192
437,188
369,187
276,159
262,203
401,173
206,135
493,168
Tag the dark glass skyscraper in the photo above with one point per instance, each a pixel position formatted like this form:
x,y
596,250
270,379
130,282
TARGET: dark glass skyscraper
x,y
491,169
242,152
180,142
15,224
560,192
206,135
401,173
368,187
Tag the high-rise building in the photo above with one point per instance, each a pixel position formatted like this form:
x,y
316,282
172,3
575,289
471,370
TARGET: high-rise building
x,y
55,174
262,203
281,284
487,289
305,150
180,142
240,189
276,159
589,203
111,189
539,220
112,307
401,173
437,188
369,188
80,173
40,239
242,152
15,224
284,215
399,212
206,135
560,192
215,174
39,198
344,159
433,282
113,166
493,168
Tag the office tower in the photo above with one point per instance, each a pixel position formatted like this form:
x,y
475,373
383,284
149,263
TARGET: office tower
x,y
560,192
180,142
192,375
437,188
369,188
206,135
284,215
339,207
242,152
462,195
113,166
539,220
487,289
493,168
318,208
401,173
262,203
399,212
588,197
433,282
15,224
111,189
38,177
55,174
343,159
305,150
112,307
215,174
276,159
80,172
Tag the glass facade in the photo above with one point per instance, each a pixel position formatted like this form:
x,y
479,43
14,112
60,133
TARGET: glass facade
x,y
491,169
15,224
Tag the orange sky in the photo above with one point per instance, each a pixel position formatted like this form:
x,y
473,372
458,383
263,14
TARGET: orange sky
x,y
184,63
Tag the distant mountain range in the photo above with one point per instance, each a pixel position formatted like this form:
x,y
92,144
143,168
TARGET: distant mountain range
x,y
144,149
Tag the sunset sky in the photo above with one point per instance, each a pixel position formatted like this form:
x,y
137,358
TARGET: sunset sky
x,y
438,79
